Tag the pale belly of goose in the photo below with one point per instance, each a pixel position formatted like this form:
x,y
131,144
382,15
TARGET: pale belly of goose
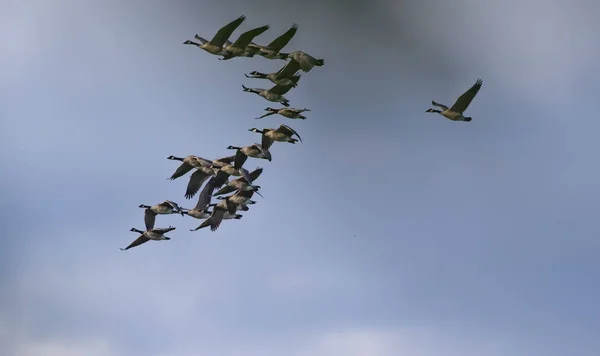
x,y
198,214
210,48
153,235
272,96
454,116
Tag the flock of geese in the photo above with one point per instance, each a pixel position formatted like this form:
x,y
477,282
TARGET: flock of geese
x,y
215,174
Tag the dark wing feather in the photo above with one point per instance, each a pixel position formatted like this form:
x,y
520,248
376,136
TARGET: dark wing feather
x,y
216,218
282,89
266,142
149,218
289,70
196,180
231,207
140,240
255,174
462,103
285,129
281,41
240,158
225,32
204,224
226,189
181,170
226,160
206,194
246,37
220,179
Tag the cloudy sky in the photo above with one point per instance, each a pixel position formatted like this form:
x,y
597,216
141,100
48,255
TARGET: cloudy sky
x,y
388,232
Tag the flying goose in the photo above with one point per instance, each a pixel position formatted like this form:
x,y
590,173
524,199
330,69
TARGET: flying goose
x,y
239,207
305,61
224,168
215,46
208,222
242,184
276,93
188,164
455,113
255,151
272,50
153,234
283,133
290,113
240,47
219,210
164,208
200,211
201,174
241,197
282,76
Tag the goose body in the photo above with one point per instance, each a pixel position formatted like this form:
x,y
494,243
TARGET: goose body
x,y
218,214
455,113
256,151
290,113
235,184
241,197
305,61
283,133
152,234
226,216
188,163
281,77
164,208
273,49
276,93
216,44
240,48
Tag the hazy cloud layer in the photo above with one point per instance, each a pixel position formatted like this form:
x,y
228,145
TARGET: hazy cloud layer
x,y
389,231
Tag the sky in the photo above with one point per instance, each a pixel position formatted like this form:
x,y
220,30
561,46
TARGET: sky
x,y
387,232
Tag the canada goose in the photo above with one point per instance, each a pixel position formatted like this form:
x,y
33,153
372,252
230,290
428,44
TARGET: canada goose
x,y
240,207
215,46
239,47
290,113
455,113
271,51
241,197
282,76
153,234
255,151
218,213
224,169
201,174
200,211
240,184
189,162
276,93
283,133
208,222
247,179
164,208
306,61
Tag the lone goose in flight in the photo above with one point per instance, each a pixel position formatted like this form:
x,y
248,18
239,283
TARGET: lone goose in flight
x,y
254,151
290,113
164,208
283,133
215,46
240,47
153,234
282,77
272,50
276,93
305,61
455,113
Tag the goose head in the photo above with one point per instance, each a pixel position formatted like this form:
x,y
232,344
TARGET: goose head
x,y
144,206
433,110
254,129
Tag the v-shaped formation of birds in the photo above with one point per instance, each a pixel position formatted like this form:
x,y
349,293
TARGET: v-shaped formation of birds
x,y
216,173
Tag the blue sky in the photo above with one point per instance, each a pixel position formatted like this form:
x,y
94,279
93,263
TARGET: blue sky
x,y
471,239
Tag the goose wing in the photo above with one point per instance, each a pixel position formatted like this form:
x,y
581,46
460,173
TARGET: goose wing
x,y
240,158
181,170
172,204
204,224
246,37
254,175
140,240
163,230
289,70
149,218
206,194
266,142
282,41
282,89
464,100
217,217
196,180
225,32
220,179
286,130
225,160
226,189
